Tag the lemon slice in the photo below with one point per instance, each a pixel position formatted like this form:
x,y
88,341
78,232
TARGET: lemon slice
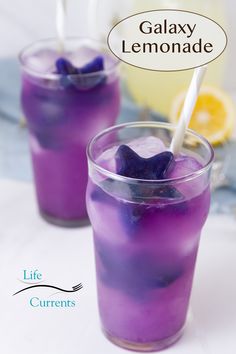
x,y
213,116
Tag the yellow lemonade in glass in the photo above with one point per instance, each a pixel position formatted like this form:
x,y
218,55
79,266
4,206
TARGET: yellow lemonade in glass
x,y
157,90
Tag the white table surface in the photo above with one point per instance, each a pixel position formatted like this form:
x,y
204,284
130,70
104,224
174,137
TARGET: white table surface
x,y
65,258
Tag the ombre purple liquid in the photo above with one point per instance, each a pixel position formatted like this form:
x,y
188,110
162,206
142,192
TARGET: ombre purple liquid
x,y
146,247
63,113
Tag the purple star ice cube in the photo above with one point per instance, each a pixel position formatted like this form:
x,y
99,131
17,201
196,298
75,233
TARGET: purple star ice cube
x,y
79,77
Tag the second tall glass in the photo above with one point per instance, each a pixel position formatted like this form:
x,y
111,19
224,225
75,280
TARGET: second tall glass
x,y
63,112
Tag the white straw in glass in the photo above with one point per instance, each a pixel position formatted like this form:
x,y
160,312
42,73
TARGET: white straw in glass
x,y
188,108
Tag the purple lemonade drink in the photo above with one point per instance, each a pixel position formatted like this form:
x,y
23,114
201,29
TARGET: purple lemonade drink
x,y
67,98
147,208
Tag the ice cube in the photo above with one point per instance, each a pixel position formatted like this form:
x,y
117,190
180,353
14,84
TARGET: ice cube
x,y
65,67
78,77
130,164
184,165
147,146
43,61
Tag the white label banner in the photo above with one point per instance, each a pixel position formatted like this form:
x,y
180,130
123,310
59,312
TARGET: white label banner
x,y
167,40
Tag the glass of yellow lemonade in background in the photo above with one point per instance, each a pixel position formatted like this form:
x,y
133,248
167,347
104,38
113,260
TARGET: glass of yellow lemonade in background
x,y
158,90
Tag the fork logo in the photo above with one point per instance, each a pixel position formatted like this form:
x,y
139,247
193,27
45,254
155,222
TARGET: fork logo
x,y
74,288
38,302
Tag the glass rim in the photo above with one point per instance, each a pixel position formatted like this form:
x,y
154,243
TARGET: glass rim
x,y
55,76
147,124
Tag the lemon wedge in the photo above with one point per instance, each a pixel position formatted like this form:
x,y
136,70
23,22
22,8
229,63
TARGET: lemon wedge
x,y
213,116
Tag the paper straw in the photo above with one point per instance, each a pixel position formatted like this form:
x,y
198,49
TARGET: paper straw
x,y
92,18
188,108
61,24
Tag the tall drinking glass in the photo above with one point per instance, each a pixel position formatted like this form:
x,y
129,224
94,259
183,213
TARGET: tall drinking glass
x,y
64,110
146,233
